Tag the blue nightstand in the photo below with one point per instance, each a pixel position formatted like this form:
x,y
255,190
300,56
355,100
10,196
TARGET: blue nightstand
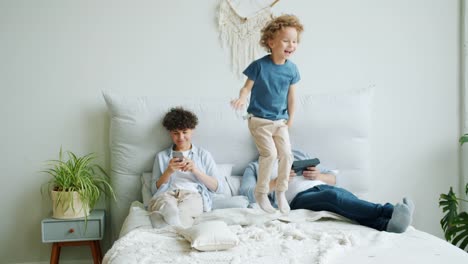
x,y
74,232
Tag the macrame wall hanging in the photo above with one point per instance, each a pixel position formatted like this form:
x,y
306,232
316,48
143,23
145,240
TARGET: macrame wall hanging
x,y
240,23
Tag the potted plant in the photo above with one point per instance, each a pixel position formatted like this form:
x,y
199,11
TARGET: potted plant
x,y
76,185
455,223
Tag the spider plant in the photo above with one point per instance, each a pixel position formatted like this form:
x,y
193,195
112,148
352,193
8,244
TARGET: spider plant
x,y
455,223
78,174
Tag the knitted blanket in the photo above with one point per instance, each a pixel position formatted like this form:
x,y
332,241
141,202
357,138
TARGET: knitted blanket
x,y
263,238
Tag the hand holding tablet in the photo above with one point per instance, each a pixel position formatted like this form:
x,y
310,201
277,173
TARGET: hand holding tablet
x,y
300,165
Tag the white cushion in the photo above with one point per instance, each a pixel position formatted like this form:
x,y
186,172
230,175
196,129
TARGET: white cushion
x,y
210,236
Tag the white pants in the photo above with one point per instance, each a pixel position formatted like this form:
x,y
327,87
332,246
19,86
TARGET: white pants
x,y
272,141
178,207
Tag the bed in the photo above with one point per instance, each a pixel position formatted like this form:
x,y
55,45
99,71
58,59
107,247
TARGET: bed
x,y
232,233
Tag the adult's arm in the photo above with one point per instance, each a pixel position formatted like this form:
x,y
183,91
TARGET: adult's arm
x,y
313,173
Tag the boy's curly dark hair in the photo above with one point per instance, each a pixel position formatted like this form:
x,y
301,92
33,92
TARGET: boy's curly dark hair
x,y
277,24
179,119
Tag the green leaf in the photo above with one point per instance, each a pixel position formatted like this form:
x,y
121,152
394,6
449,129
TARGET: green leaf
x,y
449,204
80,174
454,224
463,139
459,232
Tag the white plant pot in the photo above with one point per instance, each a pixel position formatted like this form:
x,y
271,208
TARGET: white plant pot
x,y
68,205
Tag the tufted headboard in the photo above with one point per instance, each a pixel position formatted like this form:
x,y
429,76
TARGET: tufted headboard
x,y
333,127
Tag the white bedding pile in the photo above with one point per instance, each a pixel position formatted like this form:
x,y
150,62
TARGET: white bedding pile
x,y
302,237
274,242
264,238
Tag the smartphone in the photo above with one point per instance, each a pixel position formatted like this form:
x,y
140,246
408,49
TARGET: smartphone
x,y
178,154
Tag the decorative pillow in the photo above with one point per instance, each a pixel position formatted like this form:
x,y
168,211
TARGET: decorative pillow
x,y
210,236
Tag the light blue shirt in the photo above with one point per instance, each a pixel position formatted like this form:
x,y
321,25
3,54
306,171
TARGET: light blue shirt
x,y
204,162
249,179
269,96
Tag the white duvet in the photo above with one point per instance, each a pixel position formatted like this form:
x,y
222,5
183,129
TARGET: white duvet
x,y
302,237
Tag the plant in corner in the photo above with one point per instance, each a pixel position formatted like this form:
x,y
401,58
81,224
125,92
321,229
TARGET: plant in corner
x,y
455,223
76,185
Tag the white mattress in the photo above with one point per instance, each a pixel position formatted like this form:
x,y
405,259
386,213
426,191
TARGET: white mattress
x,y
303,237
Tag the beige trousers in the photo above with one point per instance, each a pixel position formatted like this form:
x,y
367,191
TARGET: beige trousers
x,y
272,140
178,207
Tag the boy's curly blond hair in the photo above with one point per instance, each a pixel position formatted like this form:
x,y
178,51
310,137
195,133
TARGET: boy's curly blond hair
x,y
277,24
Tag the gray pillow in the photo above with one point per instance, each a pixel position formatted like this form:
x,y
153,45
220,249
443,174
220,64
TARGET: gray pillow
x,y
221,202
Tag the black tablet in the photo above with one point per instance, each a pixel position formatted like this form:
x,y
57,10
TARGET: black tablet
x,y
300,165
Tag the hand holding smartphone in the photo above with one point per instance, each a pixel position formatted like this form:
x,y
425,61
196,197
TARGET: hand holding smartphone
x,y
178,154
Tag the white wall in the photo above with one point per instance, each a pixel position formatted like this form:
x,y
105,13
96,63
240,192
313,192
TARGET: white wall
x,y
464,107
57,56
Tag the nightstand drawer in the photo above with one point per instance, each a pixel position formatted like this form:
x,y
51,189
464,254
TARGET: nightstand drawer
x,y
62,230
71,231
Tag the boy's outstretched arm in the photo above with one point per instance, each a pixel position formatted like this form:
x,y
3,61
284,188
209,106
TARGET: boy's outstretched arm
x,y
244,92
291,104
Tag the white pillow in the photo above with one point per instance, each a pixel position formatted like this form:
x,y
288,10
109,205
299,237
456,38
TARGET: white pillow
x,y
210,236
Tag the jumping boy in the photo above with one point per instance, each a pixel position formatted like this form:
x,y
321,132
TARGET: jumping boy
x,y
271,84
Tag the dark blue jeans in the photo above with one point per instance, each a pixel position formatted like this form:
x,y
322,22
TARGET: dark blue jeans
x,y
340,201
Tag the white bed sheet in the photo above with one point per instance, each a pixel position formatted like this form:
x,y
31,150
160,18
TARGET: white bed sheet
x,y
303,237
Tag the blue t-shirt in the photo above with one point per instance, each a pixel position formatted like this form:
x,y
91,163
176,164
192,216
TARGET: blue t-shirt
x,y
269,96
